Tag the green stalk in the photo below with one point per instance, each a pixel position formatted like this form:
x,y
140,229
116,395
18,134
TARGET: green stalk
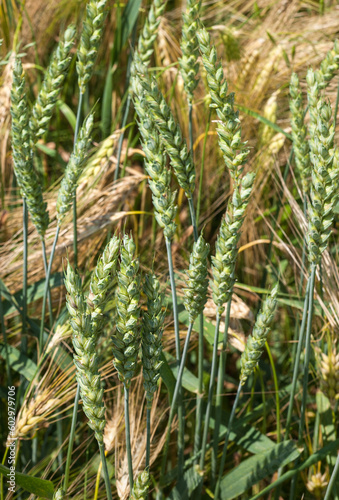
x,y
177,348
48,275
224,453
128,438
201,180
210,394
193,219
220,388
198,418
305,368
176,393
105,470
71,439
332,480
50,310
4,334
276,388
75,229
148,437
190,126
24,278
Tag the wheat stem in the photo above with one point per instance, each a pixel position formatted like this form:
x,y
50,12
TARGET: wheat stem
x,y
177,349
190,126
24,278
201,179
50,310
48,275
148,437
4,335
198,418
128,438
75,228
105,470
332,480
220,388
224,453
71,438
193,219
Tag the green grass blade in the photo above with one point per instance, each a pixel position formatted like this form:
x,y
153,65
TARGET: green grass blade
x,y
35,485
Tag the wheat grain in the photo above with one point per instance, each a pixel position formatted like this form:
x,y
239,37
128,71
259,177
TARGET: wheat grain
x,y
55,75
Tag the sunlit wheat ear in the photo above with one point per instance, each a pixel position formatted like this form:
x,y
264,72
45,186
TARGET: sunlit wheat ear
x,y
169,130
151,334
27,178
195,292
325,174
155,164
91,35
299,133
126,340
85,357
141,485
74,170
103,278
235,151
256,341
51,86
226,248
149,32
329,66
189,65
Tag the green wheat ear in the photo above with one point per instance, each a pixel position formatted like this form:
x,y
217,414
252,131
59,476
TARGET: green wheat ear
x,y
51,86
126,341
189,65
22,154
256,341
195,293
325,172
140,487
74,170
91,35
151,335
226,248
102,280
85,357
299,133
149,32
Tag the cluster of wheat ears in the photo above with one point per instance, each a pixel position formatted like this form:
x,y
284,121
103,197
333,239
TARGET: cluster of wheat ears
x,y
139,302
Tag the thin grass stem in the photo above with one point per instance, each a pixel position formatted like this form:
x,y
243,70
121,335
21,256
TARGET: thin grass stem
x,y
224,453
24,277
193,219
50,310
105,470
276,389
198,419
71,439
190,126
148,437
128,438
332,480
220,388
48,275
177,349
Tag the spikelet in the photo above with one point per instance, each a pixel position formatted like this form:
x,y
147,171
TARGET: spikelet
x,y
90,40
149,32
51,86
22,154
189,65
62,332
195,293
74,169
85,357
299,133
126,340
328,368
234,150
329,66
325,174
170,132
226,249
140,487
59,494
317,484
102,279
155,164
256,342
151,334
